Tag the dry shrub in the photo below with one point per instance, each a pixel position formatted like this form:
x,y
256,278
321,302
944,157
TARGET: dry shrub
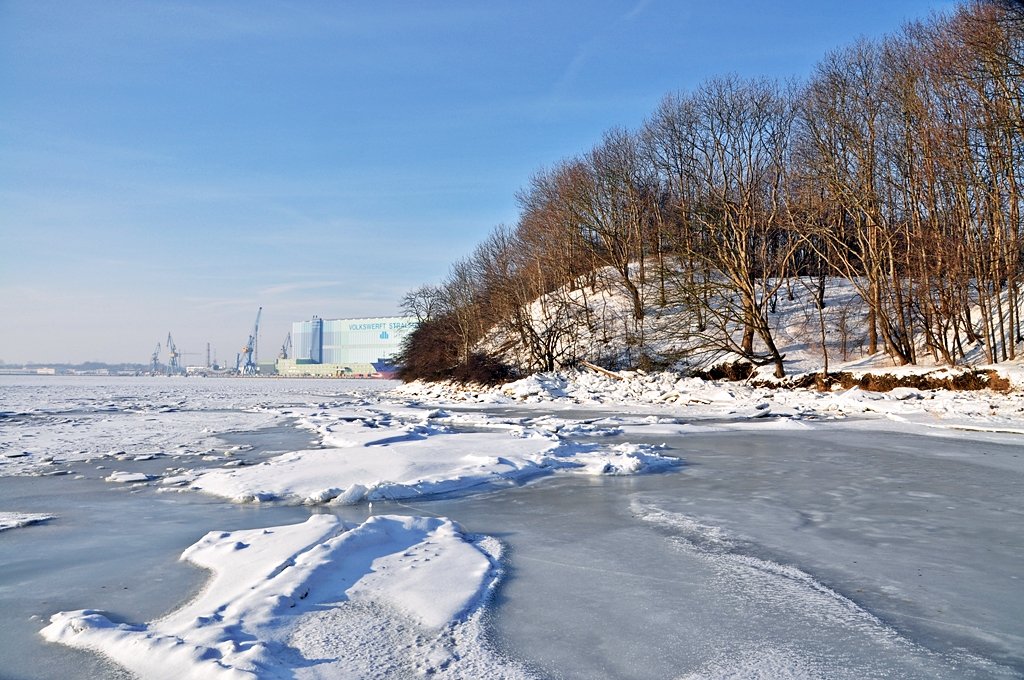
x,y
822,382
737,370
966,381
430,355
483,369
998,383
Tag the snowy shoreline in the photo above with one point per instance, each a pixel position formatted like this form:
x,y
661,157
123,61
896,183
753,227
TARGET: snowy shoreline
x,y
694,399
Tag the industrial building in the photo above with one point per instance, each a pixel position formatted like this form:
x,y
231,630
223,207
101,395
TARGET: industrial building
x,y
346,348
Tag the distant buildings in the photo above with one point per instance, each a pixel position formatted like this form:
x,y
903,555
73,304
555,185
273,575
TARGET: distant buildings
x,y
346,348
21,370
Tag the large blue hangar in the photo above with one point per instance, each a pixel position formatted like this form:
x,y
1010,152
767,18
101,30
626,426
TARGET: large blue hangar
x,y
346,348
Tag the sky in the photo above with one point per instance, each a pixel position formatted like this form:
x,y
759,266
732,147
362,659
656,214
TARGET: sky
x,y
173,166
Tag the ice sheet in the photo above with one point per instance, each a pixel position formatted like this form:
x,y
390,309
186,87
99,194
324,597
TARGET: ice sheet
x,y
809,535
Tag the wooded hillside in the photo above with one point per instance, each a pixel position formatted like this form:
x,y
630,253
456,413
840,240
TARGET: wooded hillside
x,y
894,169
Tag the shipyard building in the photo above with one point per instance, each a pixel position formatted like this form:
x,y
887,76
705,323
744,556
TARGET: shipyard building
x,y
346,348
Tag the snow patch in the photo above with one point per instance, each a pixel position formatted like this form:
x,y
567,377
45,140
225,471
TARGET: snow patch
x,y
390,466
273,590
127,477
14,520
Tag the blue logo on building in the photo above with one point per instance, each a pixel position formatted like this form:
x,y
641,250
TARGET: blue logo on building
x,y
384,335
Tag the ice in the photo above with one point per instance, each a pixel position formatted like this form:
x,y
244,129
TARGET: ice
x,y
13,520
844,534
59,420
760,663
759,561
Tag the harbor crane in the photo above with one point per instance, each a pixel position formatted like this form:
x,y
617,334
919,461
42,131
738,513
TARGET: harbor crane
x,y
286,348
154,361
248,353
173,365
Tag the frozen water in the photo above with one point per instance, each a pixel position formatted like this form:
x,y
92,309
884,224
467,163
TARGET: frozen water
x,y
673,576
109,546
794,547
45,421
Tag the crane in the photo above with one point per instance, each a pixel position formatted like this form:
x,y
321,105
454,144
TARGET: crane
x,y
249,350
286,348
154,361
173,365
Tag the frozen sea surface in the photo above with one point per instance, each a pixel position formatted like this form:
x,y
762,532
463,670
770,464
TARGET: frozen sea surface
x,y
781,549
46,421
829,555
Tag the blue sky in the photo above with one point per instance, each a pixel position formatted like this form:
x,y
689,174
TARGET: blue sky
x,y
173,166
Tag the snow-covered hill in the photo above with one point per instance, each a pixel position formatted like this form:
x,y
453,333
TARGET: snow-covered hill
x,y
594,323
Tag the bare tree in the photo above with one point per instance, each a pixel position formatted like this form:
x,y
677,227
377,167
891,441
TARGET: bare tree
x,y
741,148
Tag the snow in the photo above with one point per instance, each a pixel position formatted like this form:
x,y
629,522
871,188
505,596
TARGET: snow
x,y
760,664
367,461
603,330
127,477
733,405
14,520
421,574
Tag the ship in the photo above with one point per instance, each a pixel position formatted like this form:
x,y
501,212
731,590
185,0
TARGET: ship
x,y
384,369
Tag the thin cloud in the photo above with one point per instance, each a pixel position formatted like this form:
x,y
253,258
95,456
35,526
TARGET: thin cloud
x,y
286,288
